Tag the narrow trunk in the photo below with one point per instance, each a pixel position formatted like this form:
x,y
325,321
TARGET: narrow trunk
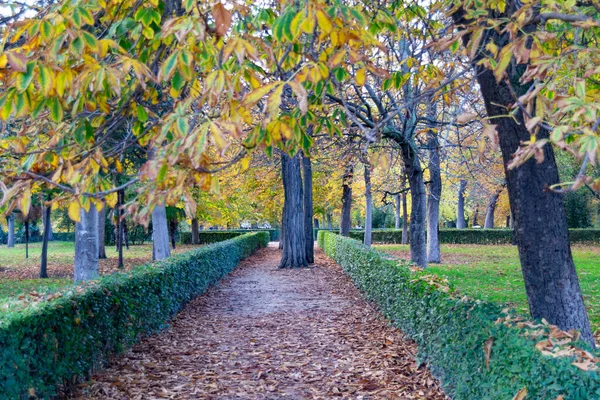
x,y
329,224
282,231
173,232
540,223
508,221
491,208
397,211
346,222
404,220
461,223
195,231
126,234
316,223
475,217
11,231
368,207
308,209
45,239
433,201
101,232
49,227
120,222
160,234
86,245
294,243
26,239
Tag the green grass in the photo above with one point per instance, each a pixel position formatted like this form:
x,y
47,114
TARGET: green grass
x,y
493,273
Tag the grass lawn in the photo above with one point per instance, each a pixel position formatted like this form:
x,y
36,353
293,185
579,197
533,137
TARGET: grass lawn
x,y
494,273
19,276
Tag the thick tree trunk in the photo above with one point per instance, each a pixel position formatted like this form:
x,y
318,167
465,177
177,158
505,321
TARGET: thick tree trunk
x,y
308,209
86,245
294,243
45,239
397,211
368,207
491,208
540,224
461,223
418,214
346,221
404,220
433,201
11,230
195,231
101,233
329,223
160,234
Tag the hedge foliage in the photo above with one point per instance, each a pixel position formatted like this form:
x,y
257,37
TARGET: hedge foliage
x,y
44,347
475,236
451,332
209,236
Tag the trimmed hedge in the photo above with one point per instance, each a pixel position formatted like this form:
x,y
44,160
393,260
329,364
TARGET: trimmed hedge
x,y
475,236
209,236
46,346
451,332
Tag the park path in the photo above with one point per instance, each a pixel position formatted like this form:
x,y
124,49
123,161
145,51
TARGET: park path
x,y
265,333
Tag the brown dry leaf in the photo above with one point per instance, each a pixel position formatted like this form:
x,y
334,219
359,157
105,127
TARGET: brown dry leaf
x,y
222,18
521,394
466,117
487,346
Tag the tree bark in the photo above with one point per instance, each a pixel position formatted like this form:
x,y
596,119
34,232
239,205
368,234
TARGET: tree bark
x,y
160,234
316,223
475,215
45,239
540,224
329,224
86,245
11,230
308,209
101,233
397,211
49,226
433,201
368,206
173,231
491,208
461,223
120,221
404,220
195,231
294,242
26,239
282,232
346,221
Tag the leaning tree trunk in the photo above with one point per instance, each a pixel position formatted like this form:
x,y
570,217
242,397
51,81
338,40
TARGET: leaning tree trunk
x,y
346,222
368,207
294,242
45,239
540,224
195,231
160,234
404,220
397,211
86,245
101,233
11,231
308,209
461,223
491,208
433,201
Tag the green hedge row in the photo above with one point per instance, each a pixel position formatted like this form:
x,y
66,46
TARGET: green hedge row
x,y
475,236
451,333
209,236
43,348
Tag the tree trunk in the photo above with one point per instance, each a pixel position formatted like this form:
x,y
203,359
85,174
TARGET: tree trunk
x,y
173,231
316,223
49,226
404,220
308,209
26,239
346,221
86,245
418,213
101,233
368,207
195,231
491,208
45,239
475,215
461,223
11,230
282,231
397,211
433,201
508,221
160,234
294,242
540,224
329,224
120,222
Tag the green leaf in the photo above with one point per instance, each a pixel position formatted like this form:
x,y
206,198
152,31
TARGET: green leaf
x,y
168,66
142,114
56,110
24,78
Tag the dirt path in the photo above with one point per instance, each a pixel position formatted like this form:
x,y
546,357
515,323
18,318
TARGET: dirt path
x,y
264,333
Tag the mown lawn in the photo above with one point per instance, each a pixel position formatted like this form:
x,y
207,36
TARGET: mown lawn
x,y
493,273
19,276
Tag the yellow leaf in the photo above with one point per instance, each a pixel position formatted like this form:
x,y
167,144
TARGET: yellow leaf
x,y
111,200
505,57
245,163
361,77
308,25
274,102
324,22
257,94
301,94
74,209
26,202
337,58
